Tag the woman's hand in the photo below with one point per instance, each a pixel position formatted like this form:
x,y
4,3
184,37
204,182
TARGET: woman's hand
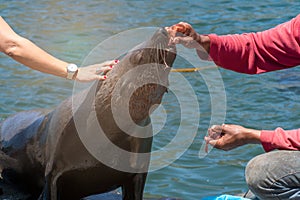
x,y
95,72
229,136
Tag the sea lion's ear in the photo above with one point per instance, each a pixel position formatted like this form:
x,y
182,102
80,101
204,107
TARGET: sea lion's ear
x,y
136,57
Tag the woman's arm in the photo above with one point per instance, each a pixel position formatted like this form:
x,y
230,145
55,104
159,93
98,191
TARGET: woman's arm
x,y
27,53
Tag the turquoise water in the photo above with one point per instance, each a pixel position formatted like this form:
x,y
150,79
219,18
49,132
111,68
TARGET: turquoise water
x,y
71,29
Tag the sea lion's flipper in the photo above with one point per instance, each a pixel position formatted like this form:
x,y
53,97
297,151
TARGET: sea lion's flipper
x,y
7,161
133,190
16,130
45,195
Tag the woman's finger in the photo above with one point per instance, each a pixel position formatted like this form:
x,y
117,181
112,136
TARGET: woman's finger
x,y
109,63
106,66
106,69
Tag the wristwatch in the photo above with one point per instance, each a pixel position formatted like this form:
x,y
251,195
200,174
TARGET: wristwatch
x,y
72,69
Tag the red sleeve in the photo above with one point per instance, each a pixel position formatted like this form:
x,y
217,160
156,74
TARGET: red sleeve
x,y
280,139
254,53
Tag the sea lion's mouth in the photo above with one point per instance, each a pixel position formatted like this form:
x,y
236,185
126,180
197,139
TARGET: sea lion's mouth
x,y
167,56
169,51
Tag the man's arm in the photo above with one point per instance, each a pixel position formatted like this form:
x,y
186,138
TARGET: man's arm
x,y
250,53
229,136
254,53
280,139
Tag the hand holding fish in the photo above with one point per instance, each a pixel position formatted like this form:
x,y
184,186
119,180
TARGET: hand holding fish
x,y
183,33
230,136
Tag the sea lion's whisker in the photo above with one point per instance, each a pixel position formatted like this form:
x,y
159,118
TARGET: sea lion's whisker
x,y
163,54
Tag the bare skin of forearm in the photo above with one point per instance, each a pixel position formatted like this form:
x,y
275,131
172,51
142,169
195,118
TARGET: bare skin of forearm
x,y
24,51
252,136
204,41
27,53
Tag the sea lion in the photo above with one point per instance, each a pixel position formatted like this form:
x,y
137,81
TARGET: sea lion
x,y
43,151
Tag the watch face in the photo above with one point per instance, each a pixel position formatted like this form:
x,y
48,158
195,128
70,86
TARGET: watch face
x,y
72,68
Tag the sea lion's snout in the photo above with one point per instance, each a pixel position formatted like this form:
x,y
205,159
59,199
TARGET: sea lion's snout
x,y
155,50
167,52
161,36
163,31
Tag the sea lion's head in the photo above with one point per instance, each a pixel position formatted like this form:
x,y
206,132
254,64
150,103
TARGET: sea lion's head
x,y
155,50
137,83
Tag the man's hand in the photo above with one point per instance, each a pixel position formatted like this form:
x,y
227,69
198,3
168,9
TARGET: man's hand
x,y
227,137
183,33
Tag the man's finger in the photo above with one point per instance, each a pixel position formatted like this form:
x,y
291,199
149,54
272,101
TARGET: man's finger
x,y
177,40
213,143
217,128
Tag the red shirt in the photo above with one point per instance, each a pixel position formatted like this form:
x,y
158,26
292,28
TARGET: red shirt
x,y
254,53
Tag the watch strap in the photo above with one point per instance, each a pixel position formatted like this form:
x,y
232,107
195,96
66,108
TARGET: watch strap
x,y
72,69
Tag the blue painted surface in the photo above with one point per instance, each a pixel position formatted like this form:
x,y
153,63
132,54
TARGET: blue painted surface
x,y
225,197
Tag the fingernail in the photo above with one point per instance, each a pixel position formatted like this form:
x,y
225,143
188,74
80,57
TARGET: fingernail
x,y
104,76
116,61
111,66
